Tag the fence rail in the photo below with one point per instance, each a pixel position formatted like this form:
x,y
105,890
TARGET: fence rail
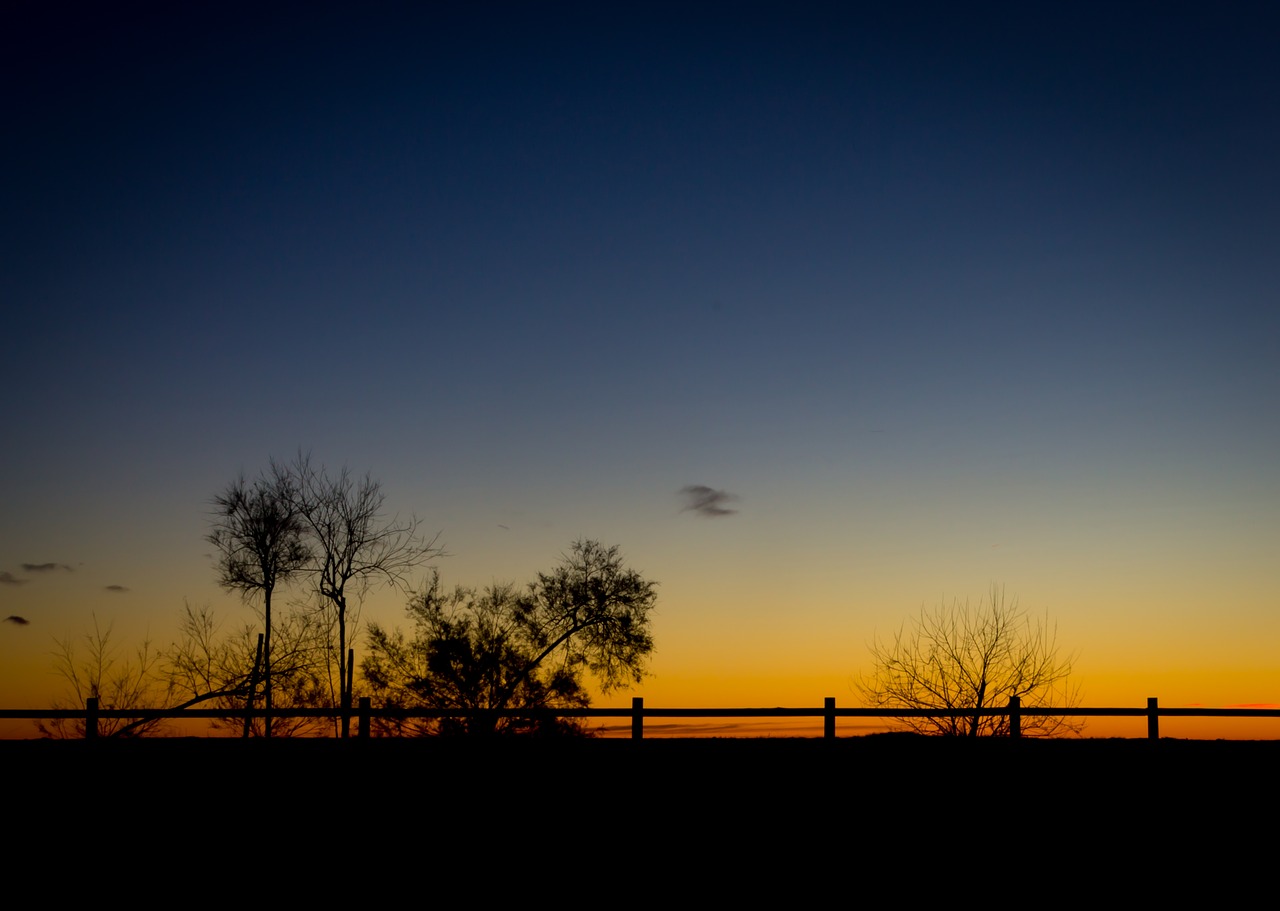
x,y
92,714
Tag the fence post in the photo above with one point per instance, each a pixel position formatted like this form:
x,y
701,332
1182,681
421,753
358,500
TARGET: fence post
x,y
1015,716
91,718
829,718
363,730
1153,718
637,718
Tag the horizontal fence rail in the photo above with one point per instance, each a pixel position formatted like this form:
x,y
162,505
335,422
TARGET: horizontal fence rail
x,y
92,714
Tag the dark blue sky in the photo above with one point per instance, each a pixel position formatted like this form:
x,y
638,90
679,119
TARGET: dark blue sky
x,y
900,276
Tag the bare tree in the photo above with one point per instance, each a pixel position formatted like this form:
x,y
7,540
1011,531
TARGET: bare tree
x,y
258,531
354,548
207,665
204,667
961,659
92,667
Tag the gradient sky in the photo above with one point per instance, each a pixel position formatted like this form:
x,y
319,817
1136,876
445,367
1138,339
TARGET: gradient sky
x,y
944,295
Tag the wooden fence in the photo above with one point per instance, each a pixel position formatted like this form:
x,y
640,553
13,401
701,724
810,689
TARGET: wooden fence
x,y
365,714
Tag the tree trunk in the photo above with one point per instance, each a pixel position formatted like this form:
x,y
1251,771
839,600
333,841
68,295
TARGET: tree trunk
x,y
344,671
346,694
266,666
975,725
253,685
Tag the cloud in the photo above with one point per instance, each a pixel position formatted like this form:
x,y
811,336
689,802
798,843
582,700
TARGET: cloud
x,y
44,567
116,588
8,578
14,618
707,501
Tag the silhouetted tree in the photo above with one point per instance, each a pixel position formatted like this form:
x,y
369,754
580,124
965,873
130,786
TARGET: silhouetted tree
x,y
504,649
205,665
960,659
92,667
353,546
258,531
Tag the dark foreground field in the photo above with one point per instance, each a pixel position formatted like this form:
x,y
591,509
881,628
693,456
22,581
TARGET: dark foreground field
x,y
923,813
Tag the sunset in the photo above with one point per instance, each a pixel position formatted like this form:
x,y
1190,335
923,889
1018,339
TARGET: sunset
x,y
823,315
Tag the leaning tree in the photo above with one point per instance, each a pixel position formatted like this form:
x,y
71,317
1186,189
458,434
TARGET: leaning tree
x,y
504,656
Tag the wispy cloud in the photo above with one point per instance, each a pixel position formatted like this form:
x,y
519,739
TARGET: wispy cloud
x,y
16,620
44,567
707,501
8,578
116,588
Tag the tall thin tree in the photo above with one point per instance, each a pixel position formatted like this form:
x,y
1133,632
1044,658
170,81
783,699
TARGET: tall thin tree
x,y
258,532
354,547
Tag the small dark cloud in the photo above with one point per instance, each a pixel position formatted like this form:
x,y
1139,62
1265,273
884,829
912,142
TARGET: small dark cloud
x,y
116,588
14,618
707,501
44,567
8,578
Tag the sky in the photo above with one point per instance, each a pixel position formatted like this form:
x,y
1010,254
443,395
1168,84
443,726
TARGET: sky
x,y
935,296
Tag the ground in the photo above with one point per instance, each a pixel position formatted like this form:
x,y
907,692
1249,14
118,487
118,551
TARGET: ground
x,y
736,815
